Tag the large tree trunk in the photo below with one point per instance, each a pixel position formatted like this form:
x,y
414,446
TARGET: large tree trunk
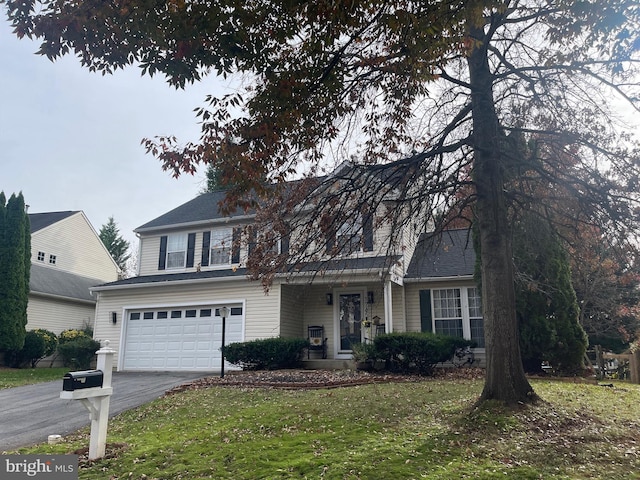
x,y
505,378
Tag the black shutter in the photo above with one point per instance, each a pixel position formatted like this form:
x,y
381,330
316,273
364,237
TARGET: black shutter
x,y
191,247
206,239
367,232
235,246
426,324
162,259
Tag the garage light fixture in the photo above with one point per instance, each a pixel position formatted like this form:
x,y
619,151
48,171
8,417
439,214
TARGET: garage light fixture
x,y
114,317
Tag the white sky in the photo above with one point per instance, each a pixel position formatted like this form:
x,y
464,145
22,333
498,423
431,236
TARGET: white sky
x,y
70,138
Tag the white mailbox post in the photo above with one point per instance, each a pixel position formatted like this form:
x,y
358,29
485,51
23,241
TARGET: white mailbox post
x,y
96,401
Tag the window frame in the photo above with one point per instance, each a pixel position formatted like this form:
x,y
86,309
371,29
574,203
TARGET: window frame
x,y
174,248
220,240
469,304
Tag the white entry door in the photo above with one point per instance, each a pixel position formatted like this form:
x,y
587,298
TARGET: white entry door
x,y
179,338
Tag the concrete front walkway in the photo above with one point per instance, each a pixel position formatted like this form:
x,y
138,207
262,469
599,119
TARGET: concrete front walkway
x,y
31,413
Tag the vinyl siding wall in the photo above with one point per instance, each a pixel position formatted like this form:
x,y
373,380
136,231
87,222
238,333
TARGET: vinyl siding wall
x,y
261,312
292,311
77,249
57,315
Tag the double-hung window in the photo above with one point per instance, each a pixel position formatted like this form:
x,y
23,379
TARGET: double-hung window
x,y
349,236
176,251
447,312
221,244
453,311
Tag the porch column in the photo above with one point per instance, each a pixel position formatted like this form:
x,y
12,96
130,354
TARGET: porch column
x,y
388,307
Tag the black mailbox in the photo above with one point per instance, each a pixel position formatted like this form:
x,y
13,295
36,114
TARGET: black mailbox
x,y
82,379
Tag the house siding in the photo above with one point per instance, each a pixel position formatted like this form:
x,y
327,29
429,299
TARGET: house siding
x,y
57,315
261,311
77,248
292,312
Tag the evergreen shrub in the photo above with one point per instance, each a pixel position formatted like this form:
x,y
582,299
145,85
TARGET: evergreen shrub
x,y
78,352
415,352
267,353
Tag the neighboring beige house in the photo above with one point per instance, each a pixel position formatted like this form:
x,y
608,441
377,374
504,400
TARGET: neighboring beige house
x,y
191,265
67,258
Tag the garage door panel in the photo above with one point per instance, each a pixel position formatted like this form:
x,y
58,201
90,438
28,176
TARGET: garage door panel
x,y
184,343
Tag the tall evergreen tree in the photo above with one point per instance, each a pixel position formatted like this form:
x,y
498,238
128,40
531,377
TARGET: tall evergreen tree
x,y
546,305
15,264
117,246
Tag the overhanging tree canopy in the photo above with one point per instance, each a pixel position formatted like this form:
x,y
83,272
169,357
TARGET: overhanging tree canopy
x,y
355,76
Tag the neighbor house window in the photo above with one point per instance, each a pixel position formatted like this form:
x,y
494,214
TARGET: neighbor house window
x,y
176,251
52,259
41,256
221,245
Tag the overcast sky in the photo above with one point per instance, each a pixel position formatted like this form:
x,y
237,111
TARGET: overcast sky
x,y
70,139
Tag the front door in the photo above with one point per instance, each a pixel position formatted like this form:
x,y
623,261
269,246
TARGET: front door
x,y
350,320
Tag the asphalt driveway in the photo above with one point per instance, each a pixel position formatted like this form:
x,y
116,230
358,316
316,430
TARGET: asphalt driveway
x,y
31,413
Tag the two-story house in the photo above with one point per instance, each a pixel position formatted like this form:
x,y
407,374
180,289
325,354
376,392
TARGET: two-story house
x,y
67,258
193,262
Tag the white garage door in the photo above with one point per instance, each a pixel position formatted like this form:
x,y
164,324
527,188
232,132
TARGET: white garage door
x,y
183,338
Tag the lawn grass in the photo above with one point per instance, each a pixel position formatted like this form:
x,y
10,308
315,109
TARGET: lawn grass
x,y
16,377
383,431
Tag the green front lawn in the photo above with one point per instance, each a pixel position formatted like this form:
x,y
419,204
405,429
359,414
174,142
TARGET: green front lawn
x,y
15,377
382,431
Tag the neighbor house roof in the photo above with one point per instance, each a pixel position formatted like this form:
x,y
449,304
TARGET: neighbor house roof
x,y
52,281
450,254
39,221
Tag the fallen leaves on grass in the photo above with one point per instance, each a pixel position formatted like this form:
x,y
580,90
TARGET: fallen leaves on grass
x,y
311,379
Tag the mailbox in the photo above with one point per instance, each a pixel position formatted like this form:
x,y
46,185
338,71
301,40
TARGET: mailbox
x,y
83,379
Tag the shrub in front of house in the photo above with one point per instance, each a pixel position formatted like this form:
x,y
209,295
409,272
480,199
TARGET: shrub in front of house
x,y
37,345
77,351
415,352
266,353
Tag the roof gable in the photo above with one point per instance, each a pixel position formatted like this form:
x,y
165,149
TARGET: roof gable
x,y
38,221
449,255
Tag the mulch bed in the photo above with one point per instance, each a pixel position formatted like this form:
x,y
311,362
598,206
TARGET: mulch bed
x,y
313,379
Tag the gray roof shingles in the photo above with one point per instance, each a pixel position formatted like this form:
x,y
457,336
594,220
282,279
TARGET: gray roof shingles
x,y
445,256
56,282
39,221
203,208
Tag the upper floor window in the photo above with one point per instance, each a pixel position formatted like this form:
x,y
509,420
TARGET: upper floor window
x,y
353,235
52,259
41,256
221,246
176,251
349,236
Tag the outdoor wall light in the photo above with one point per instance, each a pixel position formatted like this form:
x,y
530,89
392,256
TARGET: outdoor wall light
x,y
114,317
329,298
369,297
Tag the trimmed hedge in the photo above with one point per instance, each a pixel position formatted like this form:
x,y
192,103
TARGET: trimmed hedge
x,y
414,352
78,352
267,353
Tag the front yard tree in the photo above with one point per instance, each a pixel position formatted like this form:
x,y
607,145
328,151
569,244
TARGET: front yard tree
x,y
15,267
117,246
451,81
